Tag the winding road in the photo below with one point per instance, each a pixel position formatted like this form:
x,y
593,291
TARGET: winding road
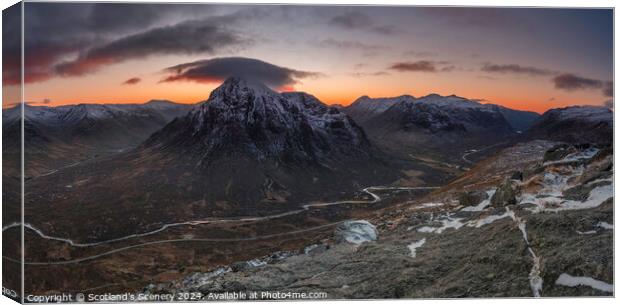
x,y
303,208
475,151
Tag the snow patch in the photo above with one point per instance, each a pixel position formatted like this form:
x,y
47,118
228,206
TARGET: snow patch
x,y
586,232
586,154
308,249
601,224
536,281
573,281
428,205
483,204
489,219
549,199
415,245
200,279
447,222
256,263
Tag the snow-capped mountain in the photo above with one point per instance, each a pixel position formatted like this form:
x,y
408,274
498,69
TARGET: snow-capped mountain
x,y
246,150
249,119
250,144
578,124
58,135
434,113
68,114
364,108
436,125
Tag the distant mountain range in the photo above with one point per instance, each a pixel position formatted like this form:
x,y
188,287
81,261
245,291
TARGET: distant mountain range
x,y
431,125
439,109
54,135
446,126
250,150
576,124
434,124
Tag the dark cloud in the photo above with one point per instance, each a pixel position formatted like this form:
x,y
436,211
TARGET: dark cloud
x,y
419,53
57,31
45,101
471,16
347,45
355,20
423,66
385,29
563,81
516,69
364,74
218,69
572,82
132,81
449,68
418,66
351,20
11,44
569,82
105,16
191,37
40,50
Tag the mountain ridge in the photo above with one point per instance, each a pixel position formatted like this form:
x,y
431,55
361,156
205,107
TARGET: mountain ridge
x,y
575,124
364,108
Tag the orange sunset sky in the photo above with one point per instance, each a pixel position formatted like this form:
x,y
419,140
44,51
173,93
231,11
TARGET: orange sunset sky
x,y
529,59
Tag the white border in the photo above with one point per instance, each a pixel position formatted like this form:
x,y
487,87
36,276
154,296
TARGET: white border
x,y
505,3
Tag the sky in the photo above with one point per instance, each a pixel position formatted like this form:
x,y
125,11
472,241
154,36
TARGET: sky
x,y
523,58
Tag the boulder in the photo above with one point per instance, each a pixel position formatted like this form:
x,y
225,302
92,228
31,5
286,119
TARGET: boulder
x,y
517,175
315,249
598,170
240,266
506,194
472,198
582,192
558,152
356,232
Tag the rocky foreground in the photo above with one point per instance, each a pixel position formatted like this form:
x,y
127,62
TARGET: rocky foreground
x,y
535,220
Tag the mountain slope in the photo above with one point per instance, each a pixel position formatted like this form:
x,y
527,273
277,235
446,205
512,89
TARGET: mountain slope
x,y
439,126
365,108
519,120
253,121
519,249
576,124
